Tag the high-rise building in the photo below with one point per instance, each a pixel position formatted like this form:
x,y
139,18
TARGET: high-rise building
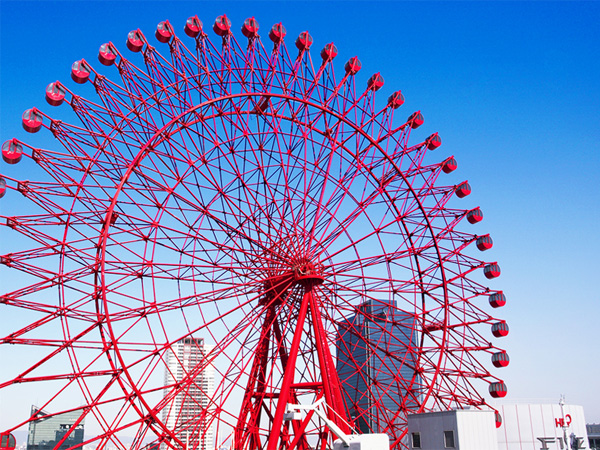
x,y
373,347
188,412
48,430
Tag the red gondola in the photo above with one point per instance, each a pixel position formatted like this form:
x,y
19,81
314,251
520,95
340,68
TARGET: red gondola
x,y
396,100
433,141
415,120
497,299
250,28
222,25
55,93
353,65
463,189
475,215
135,40
484,242
498,389
491,271
449,165
500,359
7,441
80,71
500,329
107,54
193,26
304,41
164,32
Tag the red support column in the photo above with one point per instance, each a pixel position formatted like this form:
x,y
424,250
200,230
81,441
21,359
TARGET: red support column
x,y
331,383
249,418
288,377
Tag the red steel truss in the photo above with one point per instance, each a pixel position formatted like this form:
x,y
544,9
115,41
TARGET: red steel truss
x,y
244,194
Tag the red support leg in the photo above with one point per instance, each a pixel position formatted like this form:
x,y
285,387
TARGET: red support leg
x,y
288,377
250,414
331,382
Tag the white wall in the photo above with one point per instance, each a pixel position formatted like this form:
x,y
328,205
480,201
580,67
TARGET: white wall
x,y
476,430
473,429
537,427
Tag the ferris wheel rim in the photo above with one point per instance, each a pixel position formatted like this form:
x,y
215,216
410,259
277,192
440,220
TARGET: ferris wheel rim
x,y
169,129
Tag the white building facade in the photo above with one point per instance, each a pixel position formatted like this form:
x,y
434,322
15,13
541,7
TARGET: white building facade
x,y
523,426
188,413
528,426
464,429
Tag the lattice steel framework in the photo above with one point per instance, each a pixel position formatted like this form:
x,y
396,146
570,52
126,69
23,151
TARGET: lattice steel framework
x,y
248,196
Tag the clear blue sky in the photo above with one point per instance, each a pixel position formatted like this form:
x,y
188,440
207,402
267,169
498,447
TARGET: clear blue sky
x,y
513,88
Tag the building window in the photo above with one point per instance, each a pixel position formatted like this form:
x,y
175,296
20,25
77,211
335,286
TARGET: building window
x,y
449,439
416,440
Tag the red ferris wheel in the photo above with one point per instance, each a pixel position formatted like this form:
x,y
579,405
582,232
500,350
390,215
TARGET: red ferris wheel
x,y
230,227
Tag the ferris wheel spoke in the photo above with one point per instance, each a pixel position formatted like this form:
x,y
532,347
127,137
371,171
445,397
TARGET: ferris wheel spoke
x,y
126,311
334,203
24,378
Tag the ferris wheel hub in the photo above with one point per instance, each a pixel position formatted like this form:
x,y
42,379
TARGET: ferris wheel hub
x,y
303,272
308,273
